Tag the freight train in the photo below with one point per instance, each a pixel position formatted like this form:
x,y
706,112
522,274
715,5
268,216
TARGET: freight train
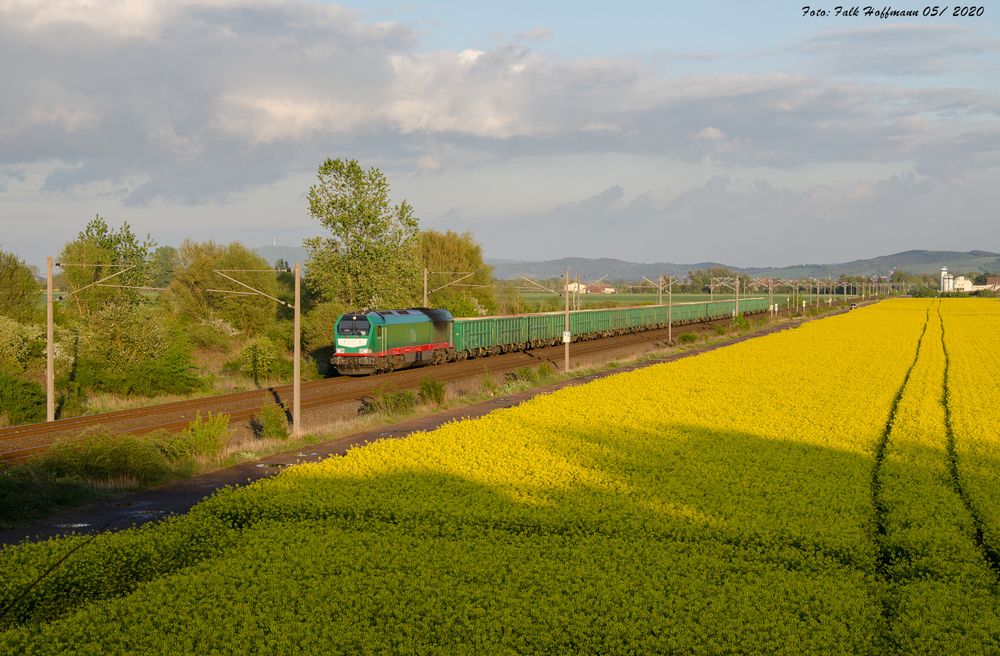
x,y
377,341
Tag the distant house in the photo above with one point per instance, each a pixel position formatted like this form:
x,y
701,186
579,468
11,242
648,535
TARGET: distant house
x,y
962,284
576,288
600,289
993,282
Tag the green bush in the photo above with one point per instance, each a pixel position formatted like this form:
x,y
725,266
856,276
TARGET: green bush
x,y
20,400
208,336
20,345
207,437
318,325
527,374
282,333
258,359
103,457
546,371
273,422
431,391
740,323
687,338
389,402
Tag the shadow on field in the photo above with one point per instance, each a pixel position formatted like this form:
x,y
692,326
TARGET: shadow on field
x,y
695,537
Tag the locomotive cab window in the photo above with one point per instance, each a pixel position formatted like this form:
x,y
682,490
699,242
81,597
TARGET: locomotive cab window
x,y
354,326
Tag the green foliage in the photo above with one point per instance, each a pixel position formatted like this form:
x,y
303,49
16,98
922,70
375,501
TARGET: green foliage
x,y
282,335
207,437
132,350
546,371
369,259
687,338
431,391
923,292
103,457
318,325
259,359
453,252
189,293
389,402
207,335
739,323
98,252
18,290
20,345
273,422
461,306
527,373
27,493
165,262
21,401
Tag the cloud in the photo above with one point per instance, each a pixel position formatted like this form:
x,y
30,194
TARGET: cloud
x,y
535,34
191,103
899,49
753,222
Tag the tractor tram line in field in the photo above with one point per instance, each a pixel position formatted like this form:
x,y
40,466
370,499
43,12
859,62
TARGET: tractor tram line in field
x,y
928,534
20,443
989,551
883,557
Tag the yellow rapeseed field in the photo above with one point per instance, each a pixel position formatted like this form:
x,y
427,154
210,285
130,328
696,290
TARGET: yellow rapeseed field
x,y
819,490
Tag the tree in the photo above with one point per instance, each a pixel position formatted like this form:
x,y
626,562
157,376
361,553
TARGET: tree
x,y
701,279
18,289
369,259
100,251
189,291
164,264
457,253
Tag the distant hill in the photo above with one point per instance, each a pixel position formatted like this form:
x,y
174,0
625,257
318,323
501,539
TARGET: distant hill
x,y
591,268
917,262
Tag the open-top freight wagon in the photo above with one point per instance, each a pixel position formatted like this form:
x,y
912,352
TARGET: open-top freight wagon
x,y
384,340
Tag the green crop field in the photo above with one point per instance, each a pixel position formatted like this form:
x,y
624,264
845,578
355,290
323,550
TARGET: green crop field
x,y
548,301
831,489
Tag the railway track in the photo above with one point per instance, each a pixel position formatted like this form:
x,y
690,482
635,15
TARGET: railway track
x,y
19,443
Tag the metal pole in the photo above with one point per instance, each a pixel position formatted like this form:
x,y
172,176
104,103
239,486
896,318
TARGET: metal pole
x,y
297,366
737,295
425,289
670,309
50,372
659,291
566,337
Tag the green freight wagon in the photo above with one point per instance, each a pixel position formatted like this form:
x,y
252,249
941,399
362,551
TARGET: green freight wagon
x,y
369,342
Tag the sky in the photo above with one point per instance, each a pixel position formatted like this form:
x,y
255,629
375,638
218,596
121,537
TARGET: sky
x,y
733,131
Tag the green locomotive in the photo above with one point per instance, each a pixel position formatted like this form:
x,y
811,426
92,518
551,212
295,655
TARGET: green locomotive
x,y
384,340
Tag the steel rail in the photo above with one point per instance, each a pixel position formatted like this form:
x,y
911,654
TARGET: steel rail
x,y
176,415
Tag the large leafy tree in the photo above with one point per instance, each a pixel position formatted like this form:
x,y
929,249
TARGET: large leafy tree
x,y
447,255
100,251
190,294
369,258
18,289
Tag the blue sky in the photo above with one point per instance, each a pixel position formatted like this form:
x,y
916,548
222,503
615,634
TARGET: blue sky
x,y
734,131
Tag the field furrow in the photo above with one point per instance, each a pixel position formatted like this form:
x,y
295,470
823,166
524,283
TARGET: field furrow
x,y
939,587
970,337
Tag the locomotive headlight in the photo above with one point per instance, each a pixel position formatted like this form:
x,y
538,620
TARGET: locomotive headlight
x,y
364,350
340,350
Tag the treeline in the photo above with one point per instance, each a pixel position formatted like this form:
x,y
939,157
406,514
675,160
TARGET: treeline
x,y
134,318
